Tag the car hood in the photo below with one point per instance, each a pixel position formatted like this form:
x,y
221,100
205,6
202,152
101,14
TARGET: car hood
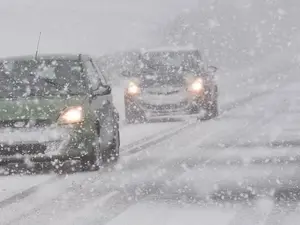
x,y
36,108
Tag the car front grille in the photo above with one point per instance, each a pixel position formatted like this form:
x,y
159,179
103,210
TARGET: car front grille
x,y
24,123
163,93
22,149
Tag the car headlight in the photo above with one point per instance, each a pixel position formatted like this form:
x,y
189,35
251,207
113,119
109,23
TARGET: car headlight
x,y
197,85
133,88
71,115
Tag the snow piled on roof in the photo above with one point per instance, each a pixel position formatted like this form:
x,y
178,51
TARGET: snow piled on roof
x,y
174,48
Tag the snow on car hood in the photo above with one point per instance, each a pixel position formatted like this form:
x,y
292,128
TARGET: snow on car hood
x,y
36,107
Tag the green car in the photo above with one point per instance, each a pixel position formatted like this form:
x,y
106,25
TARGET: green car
x,y
56,109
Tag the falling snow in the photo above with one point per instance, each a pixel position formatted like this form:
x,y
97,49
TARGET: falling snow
x,y
149,112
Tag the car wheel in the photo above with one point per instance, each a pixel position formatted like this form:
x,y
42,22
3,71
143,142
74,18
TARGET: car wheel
x,y
92,162
212,108
111,155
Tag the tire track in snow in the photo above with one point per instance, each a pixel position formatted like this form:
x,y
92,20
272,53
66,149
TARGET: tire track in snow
x,y
17,197
203,162
281,211
266,211
255,212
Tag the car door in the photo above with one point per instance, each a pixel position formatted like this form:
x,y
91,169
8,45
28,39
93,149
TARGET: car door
x,y
101,103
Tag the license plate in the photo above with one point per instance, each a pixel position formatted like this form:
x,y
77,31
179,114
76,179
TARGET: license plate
x,y
16,136
164,99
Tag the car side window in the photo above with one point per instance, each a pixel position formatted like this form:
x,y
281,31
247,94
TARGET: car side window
x,y
100,74
92,75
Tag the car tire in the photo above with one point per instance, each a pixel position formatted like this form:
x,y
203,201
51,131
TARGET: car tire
x,y
211,107
111,155
92,162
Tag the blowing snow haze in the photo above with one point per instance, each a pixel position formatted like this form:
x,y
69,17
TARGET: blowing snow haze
x,y
205,132
102,25
93,26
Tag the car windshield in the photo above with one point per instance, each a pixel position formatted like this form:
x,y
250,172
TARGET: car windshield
x,y
43,77
184,60
159,79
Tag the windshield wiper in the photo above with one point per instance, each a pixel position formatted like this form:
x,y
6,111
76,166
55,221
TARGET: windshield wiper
x,y
55,84
42,94
61,87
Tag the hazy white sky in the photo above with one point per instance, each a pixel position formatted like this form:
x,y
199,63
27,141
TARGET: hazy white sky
x,y
91,26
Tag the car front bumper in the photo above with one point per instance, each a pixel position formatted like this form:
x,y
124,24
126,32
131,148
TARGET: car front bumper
x,y
178,106
44,144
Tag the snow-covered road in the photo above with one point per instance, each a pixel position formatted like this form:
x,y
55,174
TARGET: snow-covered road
x,y
167,171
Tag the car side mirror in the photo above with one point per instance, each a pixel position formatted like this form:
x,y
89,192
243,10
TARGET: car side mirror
x,y
212,69
101,91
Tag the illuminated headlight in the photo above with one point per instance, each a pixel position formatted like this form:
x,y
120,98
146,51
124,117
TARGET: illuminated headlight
x,y
133,88
197,85
71,115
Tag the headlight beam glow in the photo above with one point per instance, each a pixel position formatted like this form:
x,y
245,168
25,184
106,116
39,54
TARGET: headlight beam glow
x,y
71,115
133,88
197,85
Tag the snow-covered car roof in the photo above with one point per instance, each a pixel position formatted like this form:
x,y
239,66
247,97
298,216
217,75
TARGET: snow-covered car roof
x,y
45,56
170,49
